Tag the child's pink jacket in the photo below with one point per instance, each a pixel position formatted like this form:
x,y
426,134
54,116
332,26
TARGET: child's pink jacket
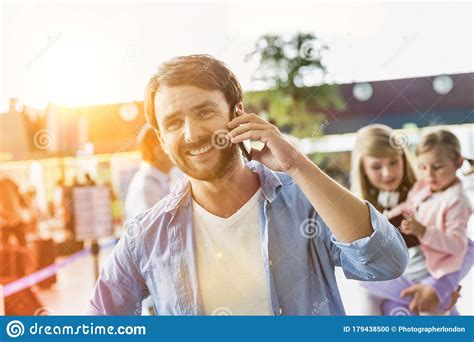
x,y
445,218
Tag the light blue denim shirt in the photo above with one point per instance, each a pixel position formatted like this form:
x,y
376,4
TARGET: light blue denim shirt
x,y
156,255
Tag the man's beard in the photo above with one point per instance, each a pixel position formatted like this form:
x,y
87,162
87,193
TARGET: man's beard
x,y
226,161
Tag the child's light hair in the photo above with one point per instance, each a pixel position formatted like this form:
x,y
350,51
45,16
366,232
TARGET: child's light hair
x,y
377,141
444,138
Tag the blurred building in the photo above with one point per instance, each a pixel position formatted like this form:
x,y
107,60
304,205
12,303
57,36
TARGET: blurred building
x,y
423,101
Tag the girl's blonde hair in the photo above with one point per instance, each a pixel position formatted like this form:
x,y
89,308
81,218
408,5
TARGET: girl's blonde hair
x,y
378,141
442,138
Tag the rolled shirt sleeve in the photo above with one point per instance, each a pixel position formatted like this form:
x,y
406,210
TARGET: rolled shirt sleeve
x,y
381,256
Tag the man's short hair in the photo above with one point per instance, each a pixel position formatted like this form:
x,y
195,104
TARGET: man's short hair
x,y
202,71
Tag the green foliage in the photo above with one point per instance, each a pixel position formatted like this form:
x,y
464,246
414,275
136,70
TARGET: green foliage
x,y
290,68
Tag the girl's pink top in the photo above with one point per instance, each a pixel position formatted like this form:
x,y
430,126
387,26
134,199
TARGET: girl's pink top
x,y
445,216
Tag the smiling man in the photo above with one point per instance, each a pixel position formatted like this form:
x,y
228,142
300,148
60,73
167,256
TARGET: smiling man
x,y
235,237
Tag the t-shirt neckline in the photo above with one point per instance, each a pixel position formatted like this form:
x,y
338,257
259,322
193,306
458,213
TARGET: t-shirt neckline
x,y
229,221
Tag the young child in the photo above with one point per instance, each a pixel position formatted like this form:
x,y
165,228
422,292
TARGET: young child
x,y
436,211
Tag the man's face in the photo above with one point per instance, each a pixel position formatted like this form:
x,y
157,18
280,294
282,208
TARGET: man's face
x,y
192,124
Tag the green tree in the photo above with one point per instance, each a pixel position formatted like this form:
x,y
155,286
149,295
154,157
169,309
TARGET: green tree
x,y
291,70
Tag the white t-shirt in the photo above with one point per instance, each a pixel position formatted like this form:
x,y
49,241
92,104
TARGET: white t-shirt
x,y
231,273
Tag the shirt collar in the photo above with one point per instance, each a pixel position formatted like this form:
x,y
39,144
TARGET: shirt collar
x,y
269,183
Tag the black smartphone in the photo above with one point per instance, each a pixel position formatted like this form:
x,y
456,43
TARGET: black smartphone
x,y
244,145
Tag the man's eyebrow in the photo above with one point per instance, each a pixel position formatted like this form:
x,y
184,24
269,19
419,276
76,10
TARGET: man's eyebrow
x,y
205,104
171,116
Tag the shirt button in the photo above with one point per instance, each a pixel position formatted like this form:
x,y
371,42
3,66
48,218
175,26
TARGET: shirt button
x,y
280,311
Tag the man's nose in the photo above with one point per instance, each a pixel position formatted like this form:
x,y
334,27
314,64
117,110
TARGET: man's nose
x,y
192,130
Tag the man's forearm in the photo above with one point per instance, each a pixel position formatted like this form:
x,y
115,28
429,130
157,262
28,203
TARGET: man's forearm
x,y
346,215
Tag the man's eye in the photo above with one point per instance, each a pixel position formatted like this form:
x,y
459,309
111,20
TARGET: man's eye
x,y
173,124
206,113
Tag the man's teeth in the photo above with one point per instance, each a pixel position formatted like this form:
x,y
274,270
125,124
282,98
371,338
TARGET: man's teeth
x,y
200,150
